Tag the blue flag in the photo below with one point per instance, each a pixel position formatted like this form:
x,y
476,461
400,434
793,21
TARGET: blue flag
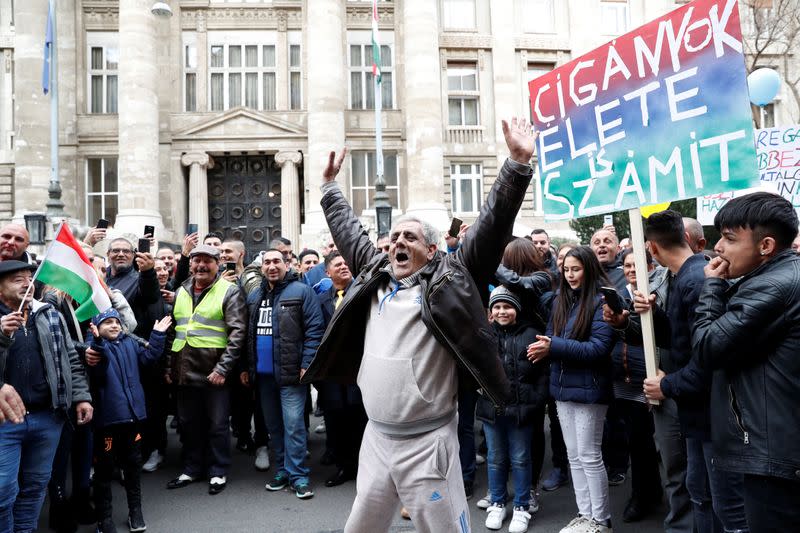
x,y
48,51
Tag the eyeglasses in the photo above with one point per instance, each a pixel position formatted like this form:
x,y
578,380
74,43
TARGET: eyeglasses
x,y
125,251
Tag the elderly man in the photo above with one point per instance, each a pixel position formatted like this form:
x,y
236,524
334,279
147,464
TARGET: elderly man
x,y
139,287
14,240
413,328
695,235
605,245
37,359
209,333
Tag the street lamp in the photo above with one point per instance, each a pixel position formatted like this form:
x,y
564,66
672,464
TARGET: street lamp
x,y
36,224
161,9
383,209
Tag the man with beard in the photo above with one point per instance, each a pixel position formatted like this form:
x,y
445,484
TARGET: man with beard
x,y
411,329
209,332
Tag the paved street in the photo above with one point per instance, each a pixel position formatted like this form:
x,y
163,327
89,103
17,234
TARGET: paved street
x,y
245,506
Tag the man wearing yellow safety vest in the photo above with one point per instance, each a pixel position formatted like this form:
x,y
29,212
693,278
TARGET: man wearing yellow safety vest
x,y
209,320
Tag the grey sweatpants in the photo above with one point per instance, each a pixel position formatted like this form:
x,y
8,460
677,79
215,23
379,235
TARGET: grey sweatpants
x,y
421,472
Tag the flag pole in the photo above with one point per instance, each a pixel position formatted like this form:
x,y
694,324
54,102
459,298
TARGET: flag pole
x,y
55,207
383,209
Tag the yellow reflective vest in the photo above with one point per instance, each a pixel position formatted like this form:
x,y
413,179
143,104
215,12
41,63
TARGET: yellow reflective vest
x,y
203,327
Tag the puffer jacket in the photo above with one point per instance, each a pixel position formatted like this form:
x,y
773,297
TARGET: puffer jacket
x,y
191,366
73,387
529,381
748,333
580,370
116,382
453,287
297,327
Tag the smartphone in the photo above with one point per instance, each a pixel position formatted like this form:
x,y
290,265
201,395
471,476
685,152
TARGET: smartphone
x,y
150,230
144,246
608,220
455,227
101,223
230,266
612,299
191,228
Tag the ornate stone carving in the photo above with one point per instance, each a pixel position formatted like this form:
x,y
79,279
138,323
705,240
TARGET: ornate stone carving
x,y
288,156
360,16
244,18
540,43
201,21
200,158
465,40
101,19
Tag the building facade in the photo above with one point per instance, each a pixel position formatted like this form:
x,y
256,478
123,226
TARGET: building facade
x,y
224,114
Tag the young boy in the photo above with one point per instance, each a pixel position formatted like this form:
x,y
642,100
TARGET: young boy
x,y
114,360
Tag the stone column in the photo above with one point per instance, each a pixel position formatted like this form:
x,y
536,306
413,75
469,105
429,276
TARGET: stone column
x,y
505,72
423,112
290,196
326,94
198,163
31,110
138,118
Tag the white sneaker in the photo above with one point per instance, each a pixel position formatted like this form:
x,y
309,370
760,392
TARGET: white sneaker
x,y
534,503
262,459
593,526
484,502
479,459
579,524
519,521
153,462
320,428
496,513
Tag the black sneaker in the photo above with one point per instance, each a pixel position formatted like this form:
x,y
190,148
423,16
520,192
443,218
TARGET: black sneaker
x,y
303,491
136,521
279,482
614,480
106,526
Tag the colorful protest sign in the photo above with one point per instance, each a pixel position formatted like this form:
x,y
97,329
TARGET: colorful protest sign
x,y
778,156
658,114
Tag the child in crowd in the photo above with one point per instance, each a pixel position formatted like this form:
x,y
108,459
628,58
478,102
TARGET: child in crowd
x,y
579,345
509,430
119,409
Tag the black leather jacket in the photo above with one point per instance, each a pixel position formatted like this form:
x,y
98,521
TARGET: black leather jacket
x,y
749,332
452,307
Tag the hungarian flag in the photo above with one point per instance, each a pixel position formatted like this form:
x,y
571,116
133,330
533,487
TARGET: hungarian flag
x,y
376,46
66,267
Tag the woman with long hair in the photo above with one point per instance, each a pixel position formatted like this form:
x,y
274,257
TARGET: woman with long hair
x,y
578,344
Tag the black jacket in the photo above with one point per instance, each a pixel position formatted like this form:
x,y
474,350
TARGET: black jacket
x,y
452,306
750,334
529,381
297,327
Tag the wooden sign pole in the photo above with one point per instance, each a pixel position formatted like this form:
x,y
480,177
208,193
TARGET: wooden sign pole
x,y
643,286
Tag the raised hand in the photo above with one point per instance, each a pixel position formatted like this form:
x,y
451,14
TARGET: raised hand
x,y
334,164
163,324
520,139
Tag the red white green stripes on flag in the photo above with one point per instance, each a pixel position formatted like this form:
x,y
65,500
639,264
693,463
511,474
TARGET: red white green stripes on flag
x,y
376,46
66,267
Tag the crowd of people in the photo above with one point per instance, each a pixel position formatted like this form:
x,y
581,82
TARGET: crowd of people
x,y
408,344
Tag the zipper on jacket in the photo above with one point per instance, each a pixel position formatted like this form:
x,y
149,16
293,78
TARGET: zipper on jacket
x,y
439,283
737,415
440,335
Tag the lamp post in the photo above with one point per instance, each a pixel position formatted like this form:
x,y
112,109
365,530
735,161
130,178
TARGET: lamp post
x,y
36,224
383,209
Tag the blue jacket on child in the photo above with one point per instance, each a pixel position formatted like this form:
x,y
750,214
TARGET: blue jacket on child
x,y
580,370
117,393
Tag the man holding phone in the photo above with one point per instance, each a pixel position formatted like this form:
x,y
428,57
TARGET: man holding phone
x,y
139,287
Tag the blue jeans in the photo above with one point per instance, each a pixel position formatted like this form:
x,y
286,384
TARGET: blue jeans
x,y
717,495
26,460
283,408
509,444
466,433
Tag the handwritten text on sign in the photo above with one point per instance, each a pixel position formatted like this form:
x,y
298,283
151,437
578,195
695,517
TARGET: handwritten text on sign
x,y
778,156
658,114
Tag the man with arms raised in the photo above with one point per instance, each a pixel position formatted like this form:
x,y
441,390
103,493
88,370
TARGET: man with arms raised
x,y
413,327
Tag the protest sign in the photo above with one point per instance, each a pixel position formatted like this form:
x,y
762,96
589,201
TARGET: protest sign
x,y
658,114
778,156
